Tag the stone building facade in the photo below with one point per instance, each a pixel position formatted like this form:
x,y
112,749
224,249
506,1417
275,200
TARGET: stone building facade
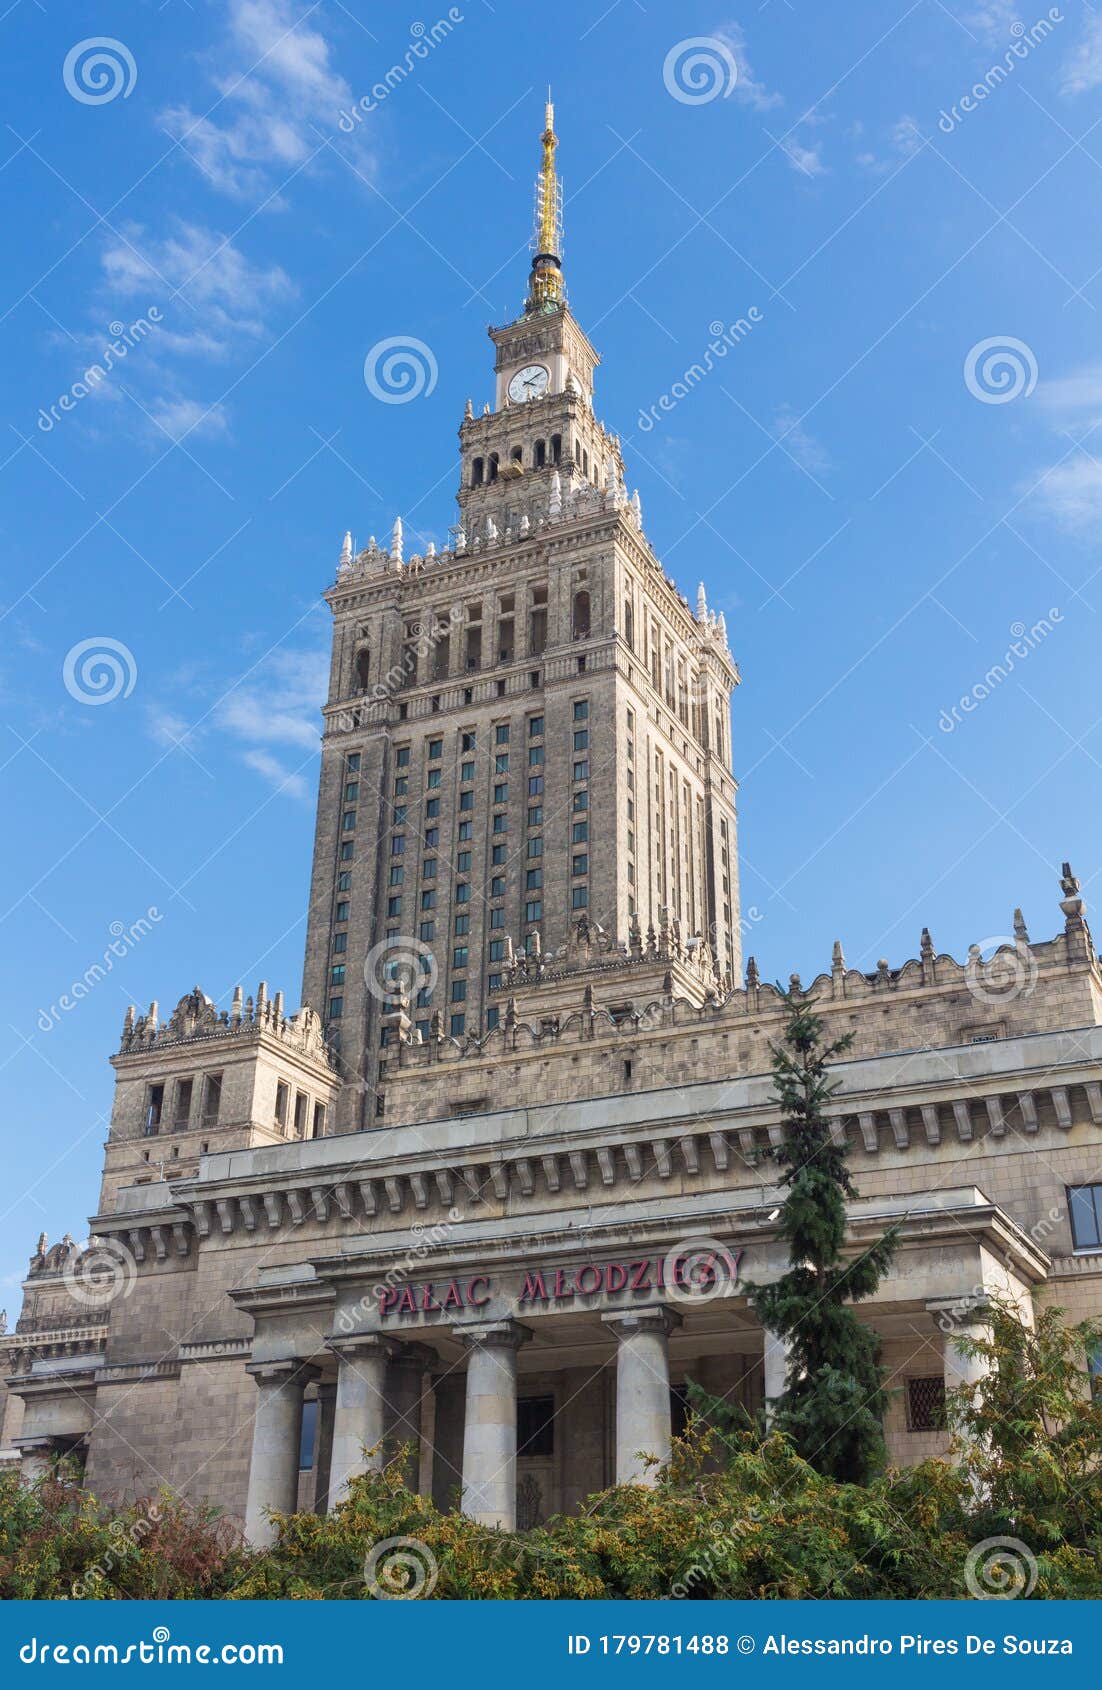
x,y
500,1227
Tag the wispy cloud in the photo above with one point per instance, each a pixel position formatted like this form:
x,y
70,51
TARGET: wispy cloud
x,y
1084,70
904,140
990,21
288,781
1071,491
215,294
278,88
798,443
748,88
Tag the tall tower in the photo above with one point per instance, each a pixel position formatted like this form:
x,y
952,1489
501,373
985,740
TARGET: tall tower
x,y
529,729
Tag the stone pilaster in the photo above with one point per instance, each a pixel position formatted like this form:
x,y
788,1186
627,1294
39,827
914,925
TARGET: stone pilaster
x,y
277,1432
359,1423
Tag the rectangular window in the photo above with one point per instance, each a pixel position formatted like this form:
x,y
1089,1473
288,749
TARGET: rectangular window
x,y
336,1008
352,762
1085,1205
533,880
463,892
424,997
399,817
501,734
466,771
467,742
427,932
501,823
182,1111
435,777
581,770
579,832
432,807
535,815
497,918
436,750
397,844
459,991
581,740
463,862
535,1425
351,791
581,800
535,846
212,1099
926,1404
501,792
493,1014
301,1105
319,1121
466,800
497,886
458,1026
397,875
579,898
428,898
401,786
344,881
432,838
459,956
580,864
462,925
535,755
281,1103
497,950
402,757
341,912
466,830
336,974
535,727
533,911
428,869
581,709
340,943
348,851
501,763
535,786
498,855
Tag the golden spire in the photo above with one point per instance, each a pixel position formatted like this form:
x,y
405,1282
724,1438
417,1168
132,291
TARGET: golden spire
x,y
545,284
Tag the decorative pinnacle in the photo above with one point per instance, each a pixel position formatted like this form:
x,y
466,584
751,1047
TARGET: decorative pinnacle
x,y
545,283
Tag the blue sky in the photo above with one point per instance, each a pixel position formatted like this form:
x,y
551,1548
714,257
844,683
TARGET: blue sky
x,y
888,478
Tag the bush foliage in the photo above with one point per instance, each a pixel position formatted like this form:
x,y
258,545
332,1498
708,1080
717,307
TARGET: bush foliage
x,y
739,1513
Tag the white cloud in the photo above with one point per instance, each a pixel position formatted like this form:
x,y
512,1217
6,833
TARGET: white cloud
x,y
180,417
904,140
1072,492
216,294
1084,70
747,87
288,781
807,160
991,20
798,443
1074,399
278,89
280,702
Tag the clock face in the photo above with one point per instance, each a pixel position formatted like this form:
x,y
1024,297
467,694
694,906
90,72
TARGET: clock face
x,y
529,383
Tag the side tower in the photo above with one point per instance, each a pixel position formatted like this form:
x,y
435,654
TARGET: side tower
x,y
527,730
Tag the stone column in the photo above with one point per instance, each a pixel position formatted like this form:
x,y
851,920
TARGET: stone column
x,y
359,1422
404,1389
36,1457
327,1408
490,1426
642,1390
775,1355
277,1432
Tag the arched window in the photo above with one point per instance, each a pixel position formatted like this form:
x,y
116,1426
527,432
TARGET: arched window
x,y
540,454
476,473
556,448
492,474
585,465
363,668
517,454
580,623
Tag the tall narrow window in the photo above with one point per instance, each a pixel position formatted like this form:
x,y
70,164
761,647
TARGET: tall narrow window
x,y
281,1101
154,1109
363,668
476,473
212,1099
580,621
182,1112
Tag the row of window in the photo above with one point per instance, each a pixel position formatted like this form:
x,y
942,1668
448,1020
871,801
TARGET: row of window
x,y
175,1111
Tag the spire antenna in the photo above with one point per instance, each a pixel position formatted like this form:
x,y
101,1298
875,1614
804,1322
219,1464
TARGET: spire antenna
x,y
545,284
